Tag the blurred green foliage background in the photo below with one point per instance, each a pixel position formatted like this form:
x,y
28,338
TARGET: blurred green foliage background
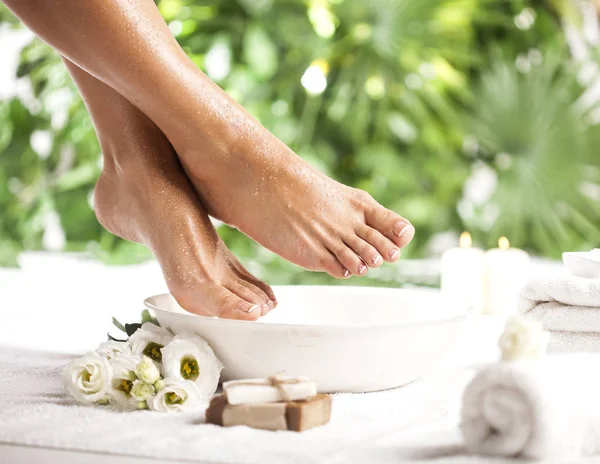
x,y
459,114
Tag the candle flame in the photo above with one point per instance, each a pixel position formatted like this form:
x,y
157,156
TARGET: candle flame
x,y
465,240
503,243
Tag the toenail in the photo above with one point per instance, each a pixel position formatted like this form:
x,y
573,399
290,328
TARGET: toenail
x,y
271,304
376,260
264,310
251,309
275,303
346,272
398,227
362,269
405,229
394,254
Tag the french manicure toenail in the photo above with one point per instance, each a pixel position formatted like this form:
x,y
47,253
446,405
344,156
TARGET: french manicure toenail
x,y
251,309
405,229
346,272
362,269
394,254
398,227
376,260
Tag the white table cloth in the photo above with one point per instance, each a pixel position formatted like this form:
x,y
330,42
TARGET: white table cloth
x,y
57,304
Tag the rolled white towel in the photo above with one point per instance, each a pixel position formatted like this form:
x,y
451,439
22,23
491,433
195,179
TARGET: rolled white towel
x,y
538,409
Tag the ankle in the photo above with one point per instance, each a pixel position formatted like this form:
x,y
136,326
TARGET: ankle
x,y
131,156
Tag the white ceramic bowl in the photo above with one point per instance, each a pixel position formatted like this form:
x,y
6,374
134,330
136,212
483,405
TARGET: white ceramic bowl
x,y
583,264
346,339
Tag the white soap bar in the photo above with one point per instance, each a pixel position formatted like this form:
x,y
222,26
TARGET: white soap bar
x,y
253,391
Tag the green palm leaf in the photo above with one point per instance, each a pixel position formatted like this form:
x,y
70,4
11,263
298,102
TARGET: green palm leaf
x,y
540,146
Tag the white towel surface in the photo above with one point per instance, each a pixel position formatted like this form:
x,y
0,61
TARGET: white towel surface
x,y
567,306
538,409
416,421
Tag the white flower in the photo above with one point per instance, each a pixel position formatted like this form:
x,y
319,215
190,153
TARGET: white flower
x,y
88,379
111,348
149,339
142,391
177,395
523,339
147,371
122,381
188,357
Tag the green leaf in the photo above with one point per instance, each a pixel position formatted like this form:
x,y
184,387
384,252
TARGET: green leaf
x,y
110,337
118,325
131,328
260,52
147,317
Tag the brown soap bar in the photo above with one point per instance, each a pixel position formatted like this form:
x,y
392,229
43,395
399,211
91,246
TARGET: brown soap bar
x,y
214,413
304,415
295,415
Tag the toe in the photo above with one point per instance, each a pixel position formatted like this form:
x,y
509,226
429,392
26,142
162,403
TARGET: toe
x,y
386,248
215,300
365,251
266,289
330,264
349,259
266,302
235,307
395,227
249,293
262,296
245,275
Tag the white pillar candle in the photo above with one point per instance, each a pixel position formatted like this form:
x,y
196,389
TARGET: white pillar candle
x,y
506,271
462,274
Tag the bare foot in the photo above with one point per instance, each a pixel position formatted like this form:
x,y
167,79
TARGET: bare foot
x,y
268,192
154,205
144,196
245,175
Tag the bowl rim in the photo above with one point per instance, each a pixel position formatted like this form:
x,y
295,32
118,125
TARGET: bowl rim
x,y
453,317
585,255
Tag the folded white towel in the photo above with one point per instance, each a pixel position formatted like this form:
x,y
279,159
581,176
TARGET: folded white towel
x,y
567,306
546,408
570,342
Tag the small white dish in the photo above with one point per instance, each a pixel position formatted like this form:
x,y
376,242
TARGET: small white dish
x,y
345,339
583,264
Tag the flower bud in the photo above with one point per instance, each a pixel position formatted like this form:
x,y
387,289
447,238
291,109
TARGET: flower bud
x,y
141,391
147,371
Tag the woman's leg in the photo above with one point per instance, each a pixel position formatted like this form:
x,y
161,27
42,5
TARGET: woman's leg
x,y
245,175
144,196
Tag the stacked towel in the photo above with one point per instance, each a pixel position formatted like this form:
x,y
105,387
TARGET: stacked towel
x,y
569,307
537,409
